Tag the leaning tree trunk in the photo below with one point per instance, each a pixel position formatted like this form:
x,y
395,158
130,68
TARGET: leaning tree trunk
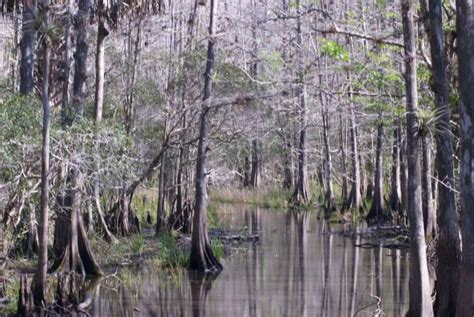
x,y
420,293
301,193
448,245
27,47
377,210
202,258
42,266
465,49
429,216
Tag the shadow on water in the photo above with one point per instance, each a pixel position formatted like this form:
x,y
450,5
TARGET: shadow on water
x,y
301,267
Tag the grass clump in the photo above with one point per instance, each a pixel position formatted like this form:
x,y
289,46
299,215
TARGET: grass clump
x,y
217,248
171,256
137,244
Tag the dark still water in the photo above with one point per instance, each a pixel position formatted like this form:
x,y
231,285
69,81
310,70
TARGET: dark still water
x,y
301,267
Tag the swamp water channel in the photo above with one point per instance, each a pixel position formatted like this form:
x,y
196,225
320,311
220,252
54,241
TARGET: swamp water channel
x,y
301,267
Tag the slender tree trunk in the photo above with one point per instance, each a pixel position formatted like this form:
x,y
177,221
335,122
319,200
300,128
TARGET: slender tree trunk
x,y
202,258
14,64
448,245
42,266
395,193
403,179
67,60
98,109
429,216
27,46
100,68
355,198
330,200
420,293
301,193
161,206
465,50
377,210
342,139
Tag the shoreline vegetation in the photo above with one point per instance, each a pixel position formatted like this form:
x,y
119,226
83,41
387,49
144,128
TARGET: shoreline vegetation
x,y
167,251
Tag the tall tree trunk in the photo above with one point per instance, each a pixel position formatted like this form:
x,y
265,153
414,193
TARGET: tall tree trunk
x,y
395,191
448,245
202,258
98,109
301,193
465,50
330,200
27,46
420,294
429,216
355,195
42,266
255,171
377,210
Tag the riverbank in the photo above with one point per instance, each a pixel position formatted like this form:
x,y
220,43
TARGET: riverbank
x,y
167,252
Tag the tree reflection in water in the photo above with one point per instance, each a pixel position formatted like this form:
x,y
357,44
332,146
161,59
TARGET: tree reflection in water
x,y
301,267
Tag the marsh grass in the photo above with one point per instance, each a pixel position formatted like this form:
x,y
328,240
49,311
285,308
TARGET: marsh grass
x,y
270,197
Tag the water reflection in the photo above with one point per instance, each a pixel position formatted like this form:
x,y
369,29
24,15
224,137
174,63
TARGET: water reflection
x,y
299,268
